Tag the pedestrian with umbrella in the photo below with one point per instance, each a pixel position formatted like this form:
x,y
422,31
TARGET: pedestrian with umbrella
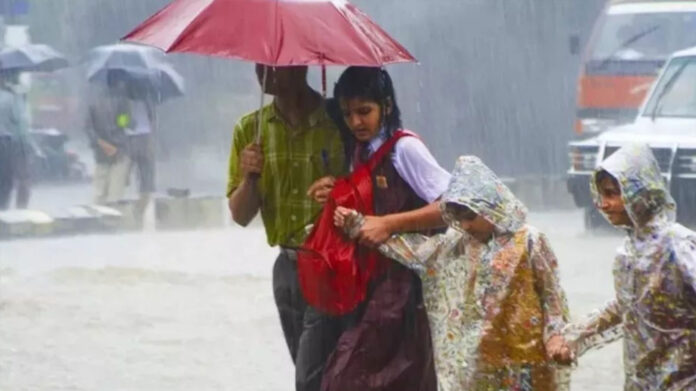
x,y
281,149
300,143
122,126
108,116
18,149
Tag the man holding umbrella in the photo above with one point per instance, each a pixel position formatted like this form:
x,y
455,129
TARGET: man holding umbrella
x,y
14,125
107,118
299,143
144,79
280,150
14,117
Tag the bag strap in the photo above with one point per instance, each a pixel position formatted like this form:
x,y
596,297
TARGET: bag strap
x,y
377,157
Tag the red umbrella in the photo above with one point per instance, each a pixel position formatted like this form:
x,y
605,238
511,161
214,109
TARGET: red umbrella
x,y
284,33
272,32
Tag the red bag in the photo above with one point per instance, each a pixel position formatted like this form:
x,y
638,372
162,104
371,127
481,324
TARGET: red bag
x,y
334,271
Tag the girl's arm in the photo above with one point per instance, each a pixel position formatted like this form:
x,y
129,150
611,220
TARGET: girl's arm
x,y
377,229
415,251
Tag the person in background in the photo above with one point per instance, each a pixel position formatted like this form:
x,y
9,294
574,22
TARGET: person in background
x,y
298,144
108,116
5,168
14,125
140,129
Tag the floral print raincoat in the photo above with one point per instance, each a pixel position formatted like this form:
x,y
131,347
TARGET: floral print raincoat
x,y
655,283
491,306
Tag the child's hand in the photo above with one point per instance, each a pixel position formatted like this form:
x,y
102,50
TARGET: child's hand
x,y
341,216
558,350
375,231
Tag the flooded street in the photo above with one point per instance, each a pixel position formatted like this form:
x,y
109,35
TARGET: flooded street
x,y
173,311
194,310
161,108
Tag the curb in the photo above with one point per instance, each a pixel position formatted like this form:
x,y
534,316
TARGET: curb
x,y
171,213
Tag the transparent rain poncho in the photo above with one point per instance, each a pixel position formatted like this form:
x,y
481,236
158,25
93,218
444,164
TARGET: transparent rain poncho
x,y
654,271
492,306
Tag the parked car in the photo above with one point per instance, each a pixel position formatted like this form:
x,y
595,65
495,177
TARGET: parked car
x,y
666,122
630,43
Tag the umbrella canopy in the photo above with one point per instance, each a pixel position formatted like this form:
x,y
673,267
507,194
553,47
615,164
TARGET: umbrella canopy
x,y
32,58
272,32
137,65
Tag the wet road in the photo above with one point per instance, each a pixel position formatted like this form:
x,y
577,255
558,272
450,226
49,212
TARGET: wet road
x,y
194,310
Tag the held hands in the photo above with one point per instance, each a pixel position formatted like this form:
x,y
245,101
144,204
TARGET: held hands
x,y
321,188
251,161
373,231
349,221
343,217
559,350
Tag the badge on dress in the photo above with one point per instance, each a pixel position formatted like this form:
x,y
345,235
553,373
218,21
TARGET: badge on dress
x,y
382,182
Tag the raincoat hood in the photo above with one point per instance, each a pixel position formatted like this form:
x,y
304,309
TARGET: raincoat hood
x,y
475,186
643,188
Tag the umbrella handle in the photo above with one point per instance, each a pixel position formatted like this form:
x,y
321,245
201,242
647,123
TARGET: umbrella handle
x,y
259,114
323,80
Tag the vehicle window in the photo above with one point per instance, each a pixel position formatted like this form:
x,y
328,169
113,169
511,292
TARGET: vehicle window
x,y
675,94
644,36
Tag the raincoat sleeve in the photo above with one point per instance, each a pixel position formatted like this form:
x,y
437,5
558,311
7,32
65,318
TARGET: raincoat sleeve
x,y
596,330
548,287
419,252
415,251
685,257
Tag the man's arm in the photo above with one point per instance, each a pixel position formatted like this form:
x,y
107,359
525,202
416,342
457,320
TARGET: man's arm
x,y
246,166
96,140
245,202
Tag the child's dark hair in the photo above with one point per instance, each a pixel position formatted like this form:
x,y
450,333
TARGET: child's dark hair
x,y
374,84
602,175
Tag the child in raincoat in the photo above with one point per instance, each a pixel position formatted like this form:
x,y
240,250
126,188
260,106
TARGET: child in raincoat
x,y
654,277
491,288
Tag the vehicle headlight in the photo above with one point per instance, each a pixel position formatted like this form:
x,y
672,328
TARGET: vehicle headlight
x,y
687,161
583,158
